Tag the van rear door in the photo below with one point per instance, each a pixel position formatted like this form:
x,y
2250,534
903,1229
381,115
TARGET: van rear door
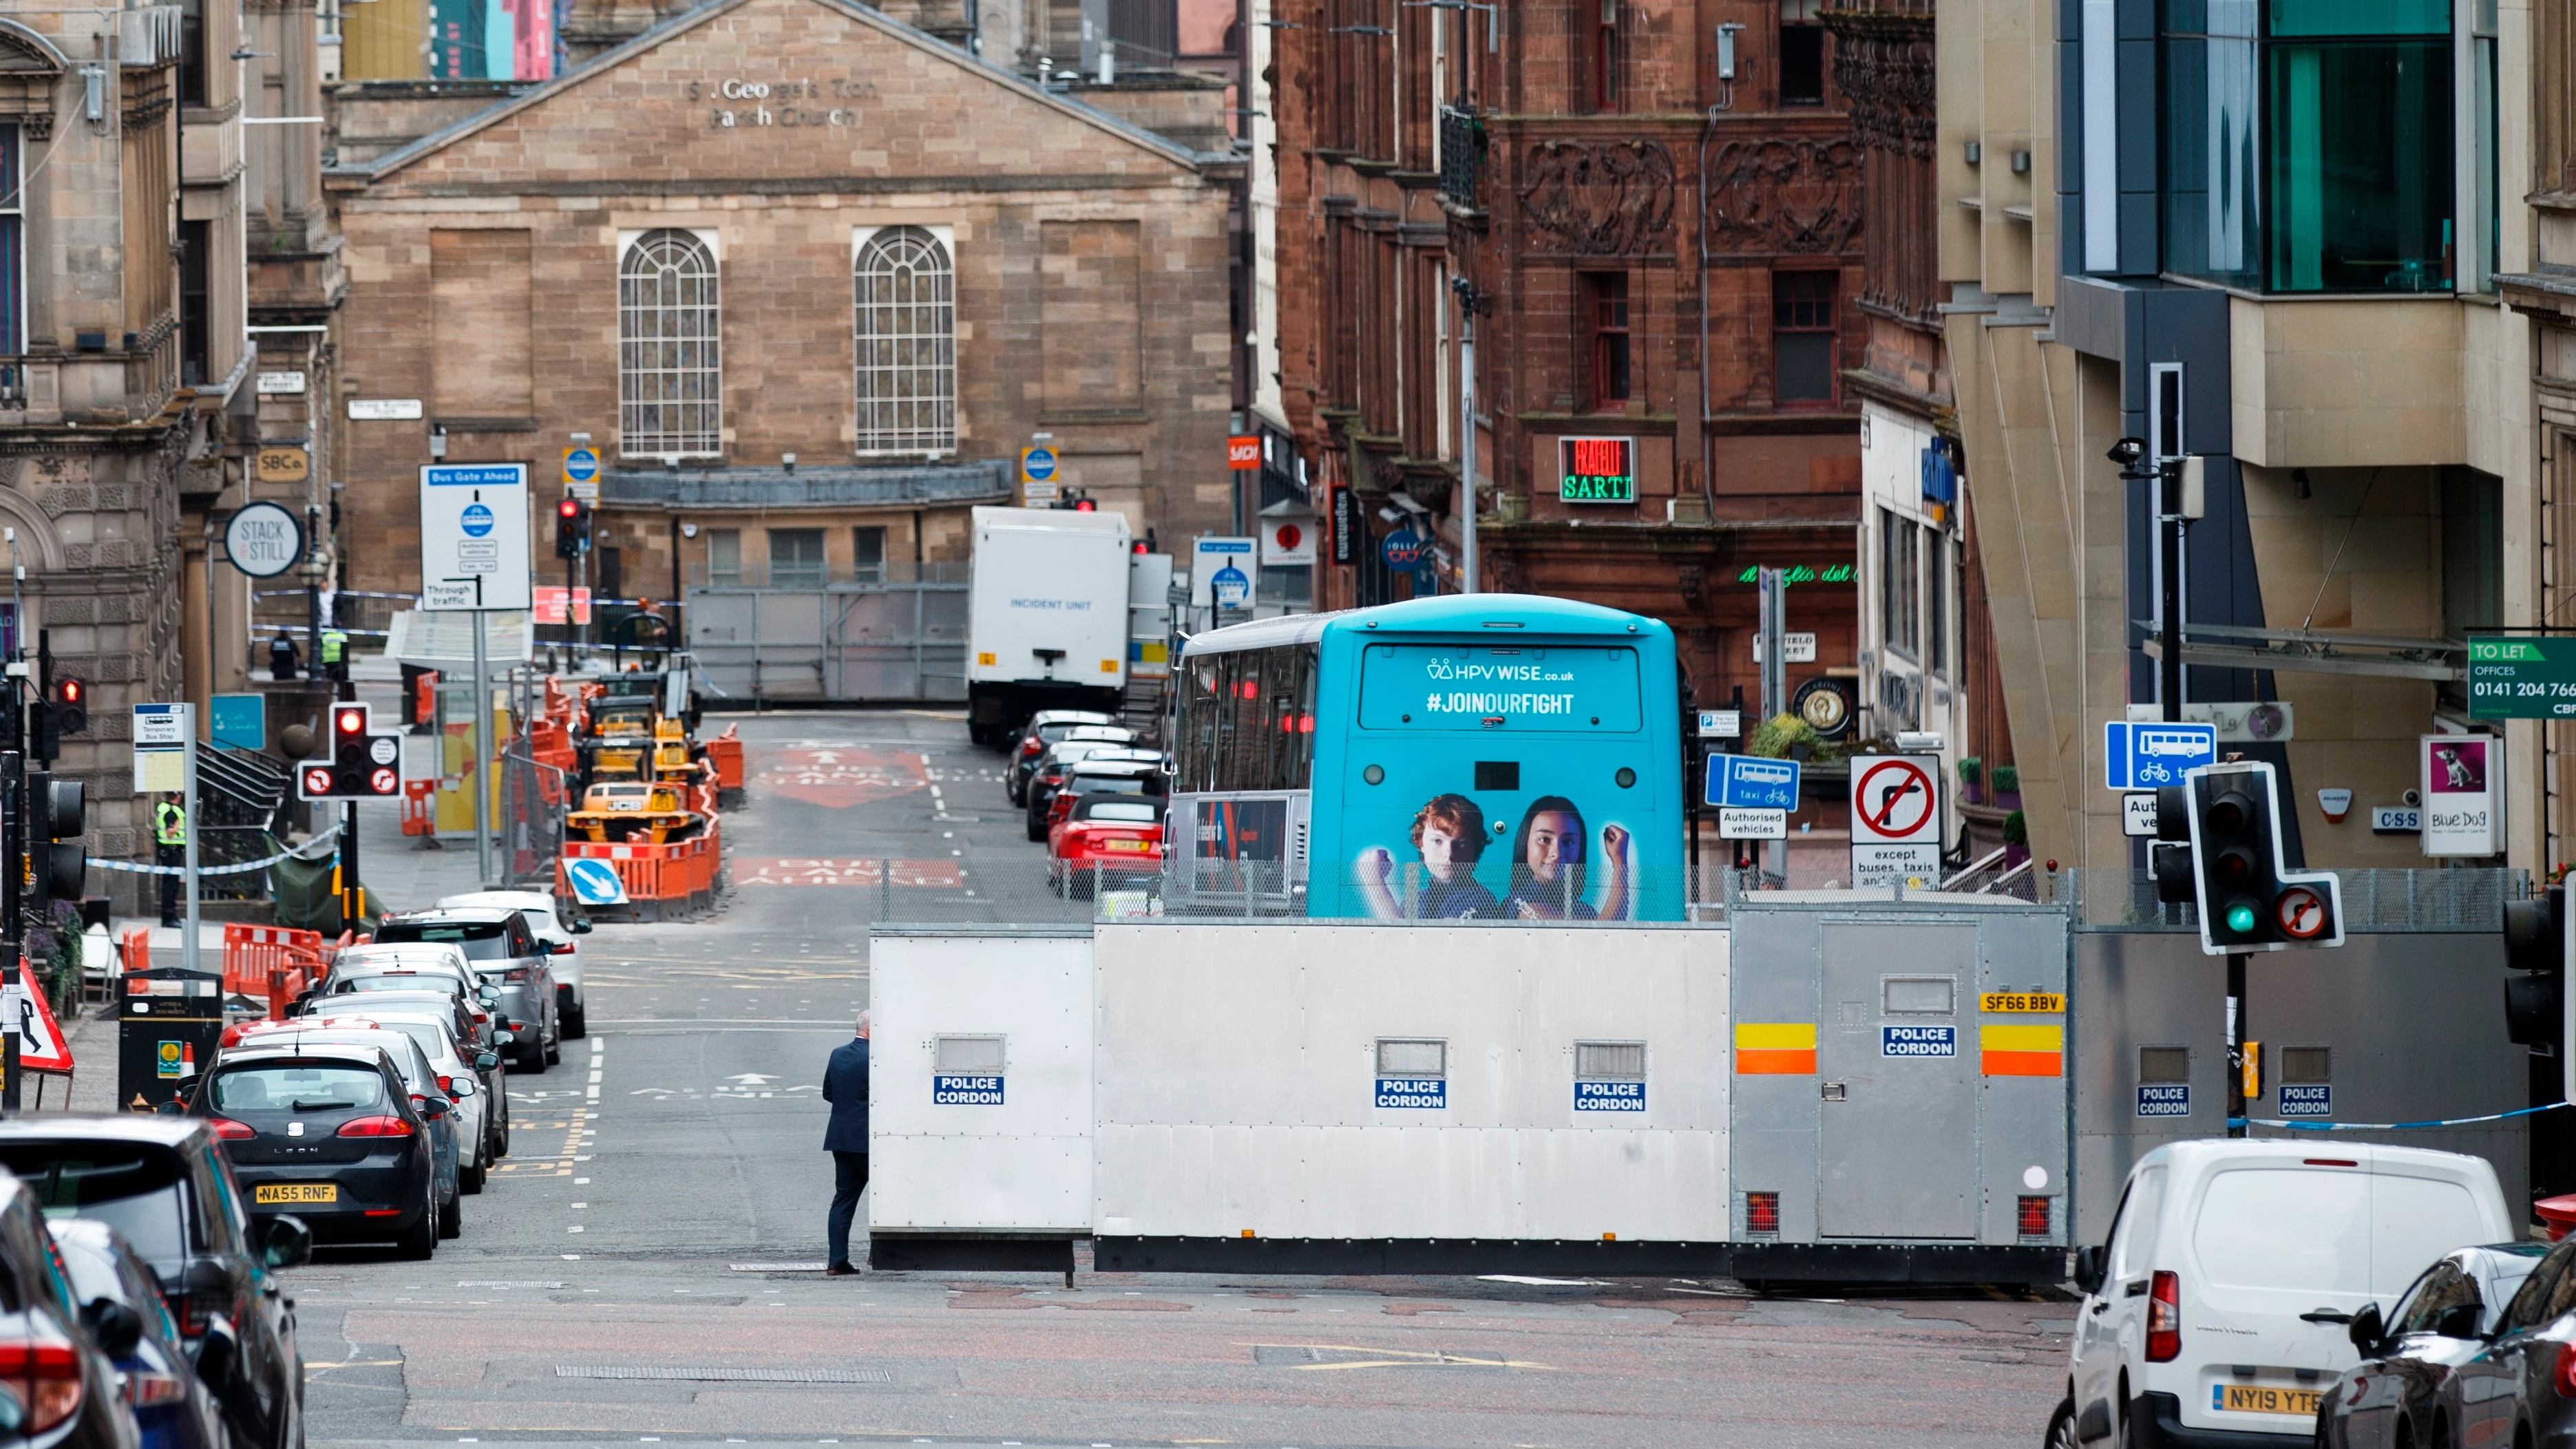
x,y
2272,1238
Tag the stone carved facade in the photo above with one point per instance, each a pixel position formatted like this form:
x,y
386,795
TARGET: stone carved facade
x,y
1785,195
1598,198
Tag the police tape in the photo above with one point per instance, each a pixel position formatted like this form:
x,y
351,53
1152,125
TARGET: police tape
x,y
298,853
2390,1126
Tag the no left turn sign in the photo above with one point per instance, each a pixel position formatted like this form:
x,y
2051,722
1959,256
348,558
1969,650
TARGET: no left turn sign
x,y
1896,800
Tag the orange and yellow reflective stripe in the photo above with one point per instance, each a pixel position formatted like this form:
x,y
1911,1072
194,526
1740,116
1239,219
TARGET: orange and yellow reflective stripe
x,y
2022,1051
1786,1049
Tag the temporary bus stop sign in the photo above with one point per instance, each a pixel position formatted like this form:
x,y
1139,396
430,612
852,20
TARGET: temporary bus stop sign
x,y
474,536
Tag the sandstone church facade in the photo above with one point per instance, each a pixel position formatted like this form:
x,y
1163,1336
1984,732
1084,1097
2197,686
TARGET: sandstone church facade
x,y
809,279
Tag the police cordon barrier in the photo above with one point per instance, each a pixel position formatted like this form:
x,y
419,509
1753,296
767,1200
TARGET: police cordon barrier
x,y
309,850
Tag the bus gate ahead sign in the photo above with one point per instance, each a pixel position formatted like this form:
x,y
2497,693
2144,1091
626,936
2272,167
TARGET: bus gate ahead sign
x,y
2522,678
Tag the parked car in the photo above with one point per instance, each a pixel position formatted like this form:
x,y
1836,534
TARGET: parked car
x,y
62,1391
468,1081
1042,729
121,1304
2519,1388
1104,835
331,1133
1050,728
1095,767
478,1029
561,938
2218,1307
2406,1389
506,954
404,958
164,1184
420,1079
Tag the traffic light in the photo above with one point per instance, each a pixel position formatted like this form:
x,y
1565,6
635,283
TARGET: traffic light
x,y
2535,950
2248,899
48,720
2169,854
57,858
572,528
361,764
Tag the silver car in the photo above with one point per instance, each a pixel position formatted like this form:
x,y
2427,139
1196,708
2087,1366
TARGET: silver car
x,y
467,1083
507,955
560,937
462,1016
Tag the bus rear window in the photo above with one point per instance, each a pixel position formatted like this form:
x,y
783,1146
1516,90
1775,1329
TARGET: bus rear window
x,y
1547,689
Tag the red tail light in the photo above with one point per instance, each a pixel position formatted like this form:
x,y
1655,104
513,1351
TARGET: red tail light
x,y
375,1127
2033,1217
47,1376
2164,1319
444,1087
520,974
146,1390
226,1127
1030,746
563,948
1762,1212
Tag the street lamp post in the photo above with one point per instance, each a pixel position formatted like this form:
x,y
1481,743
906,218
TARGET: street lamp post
x,y
1469,301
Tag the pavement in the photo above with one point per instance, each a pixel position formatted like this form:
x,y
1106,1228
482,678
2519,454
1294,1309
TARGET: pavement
x,y
645,1266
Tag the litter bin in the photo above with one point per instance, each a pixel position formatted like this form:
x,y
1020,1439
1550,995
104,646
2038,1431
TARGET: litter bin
x,y
169,1021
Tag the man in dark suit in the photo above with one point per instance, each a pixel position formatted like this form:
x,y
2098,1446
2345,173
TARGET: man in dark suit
x,y
845,1086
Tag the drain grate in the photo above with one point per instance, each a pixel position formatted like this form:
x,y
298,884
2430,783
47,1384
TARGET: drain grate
x,y
684,1374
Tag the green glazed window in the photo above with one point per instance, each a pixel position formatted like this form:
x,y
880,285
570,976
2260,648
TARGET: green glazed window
x,y
2358,17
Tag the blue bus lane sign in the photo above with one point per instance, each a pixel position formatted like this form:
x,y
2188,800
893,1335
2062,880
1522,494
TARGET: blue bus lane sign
x,y
966,1091
2164,1099
2148,754
1609,1096
1918,1041
1414,1092
2311,1099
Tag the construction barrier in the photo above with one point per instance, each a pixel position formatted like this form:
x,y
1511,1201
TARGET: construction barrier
x,y
726,751
419,815
663,882
253,954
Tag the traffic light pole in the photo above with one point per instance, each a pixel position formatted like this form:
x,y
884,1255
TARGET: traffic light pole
x,y
482,759
2169,526
13,930
2236,1043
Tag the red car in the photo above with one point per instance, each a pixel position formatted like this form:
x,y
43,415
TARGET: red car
x,y
1104,835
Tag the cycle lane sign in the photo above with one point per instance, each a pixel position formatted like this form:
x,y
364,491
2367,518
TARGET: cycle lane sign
x,y
2146,754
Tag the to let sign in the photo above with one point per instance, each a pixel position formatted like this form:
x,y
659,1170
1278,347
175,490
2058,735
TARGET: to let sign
x,y
2522,678
1597,470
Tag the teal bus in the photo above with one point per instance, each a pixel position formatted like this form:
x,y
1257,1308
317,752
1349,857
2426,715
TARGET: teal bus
x,y
1467,757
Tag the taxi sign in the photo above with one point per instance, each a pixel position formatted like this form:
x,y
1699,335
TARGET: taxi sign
x,y
2149,754
1752,782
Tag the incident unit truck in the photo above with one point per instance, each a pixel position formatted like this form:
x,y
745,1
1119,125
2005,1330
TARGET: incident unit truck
x,y
1046,616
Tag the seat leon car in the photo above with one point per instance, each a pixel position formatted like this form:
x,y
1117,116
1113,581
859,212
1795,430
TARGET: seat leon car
x,y
509,957
331,1134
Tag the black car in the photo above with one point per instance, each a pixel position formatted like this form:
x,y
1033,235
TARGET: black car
x,y
121,1303
2406,1389
1048,728
164,1185
332,1134
1071,761
62,1391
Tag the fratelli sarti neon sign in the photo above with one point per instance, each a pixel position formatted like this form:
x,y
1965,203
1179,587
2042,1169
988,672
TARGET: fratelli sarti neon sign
x,y
1801,574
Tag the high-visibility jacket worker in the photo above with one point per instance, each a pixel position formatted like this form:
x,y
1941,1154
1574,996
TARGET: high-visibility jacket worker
x,y
170,841
335,654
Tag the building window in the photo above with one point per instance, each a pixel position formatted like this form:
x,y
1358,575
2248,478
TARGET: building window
x,y
1605,58
1802,53
796,558
1605,307
1936,601
1900,597
906,323
670,374
2345,184
13,262
1802,335
724,558
867,555
192,52
196,300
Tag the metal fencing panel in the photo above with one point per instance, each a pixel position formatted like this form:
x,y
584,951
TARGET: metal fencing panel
x,y
838,643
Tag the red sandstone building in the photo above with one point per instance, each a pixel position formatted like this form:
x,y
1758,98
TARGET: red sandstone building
x,y
1658,211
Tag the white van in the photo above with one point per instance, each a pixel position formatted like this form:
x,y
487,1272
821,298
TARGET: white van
x,y
2215,1315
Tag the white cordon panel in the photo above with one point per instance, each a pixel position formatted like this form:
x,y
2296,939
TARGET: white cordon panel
x,y
1021,1166
1235,1082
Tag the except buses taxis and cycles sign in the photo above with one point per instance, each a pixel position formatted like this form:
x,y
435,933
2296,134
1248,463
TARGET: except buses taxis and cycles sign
x,y
1597,470
2522,678
1499,688
1895,820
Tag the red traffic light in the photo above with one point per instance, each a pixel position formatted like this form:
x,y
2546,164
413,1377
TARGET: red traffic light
x,y
71,690
1084,505
347,721
569,508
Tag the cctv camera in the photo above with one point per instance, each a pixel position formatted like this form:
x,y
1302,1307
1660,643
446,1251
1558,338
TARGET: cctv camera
x,y
2127,452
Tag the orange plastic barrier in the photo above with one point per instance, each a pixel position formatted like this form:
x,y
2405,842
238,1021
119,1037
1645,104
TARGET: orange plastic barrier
x,y
424,699
726,750
419,810
135,947
252,953
661,880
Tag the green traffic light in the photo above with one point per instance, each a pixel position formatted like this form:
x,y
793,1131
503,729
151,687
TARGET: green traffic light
x,y
2240,918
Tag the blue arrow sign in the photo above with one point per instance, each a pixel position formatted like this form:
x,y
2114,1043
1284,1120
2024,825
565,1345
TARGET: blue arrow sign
x,y
1749,782
595,882
2144,755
